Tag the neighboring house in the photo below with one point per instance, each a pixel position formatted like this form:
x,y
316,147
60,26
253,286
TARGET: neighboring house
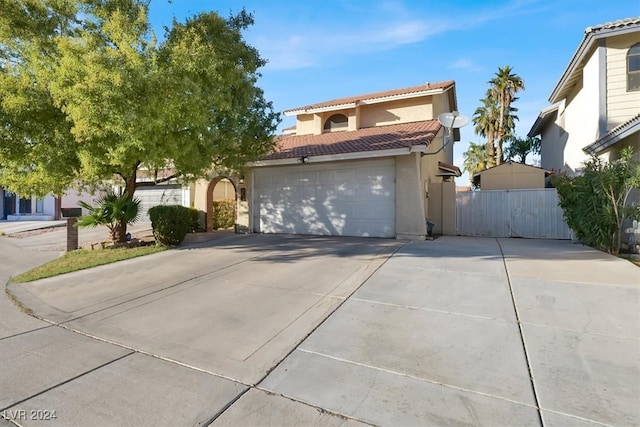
x,y
512,176
596,103
371,165
14,208
47,208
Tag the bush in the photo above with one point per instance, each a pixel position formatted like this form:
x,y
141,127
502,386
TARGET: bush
x,y
595,202
170,223
195,220
224,213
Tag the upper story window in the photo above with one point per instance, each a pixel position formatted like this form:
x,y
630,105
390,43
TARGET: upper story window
x,y
336,122
633,68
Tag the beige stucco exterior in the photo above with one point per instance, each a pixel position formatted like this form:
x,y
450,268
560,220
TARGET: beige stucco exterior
x,y
512,176
592,100
594,110
420,192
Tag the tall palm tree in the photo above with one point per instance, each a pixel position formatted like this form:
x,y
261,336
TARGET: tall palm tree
x,y
485,119
504,86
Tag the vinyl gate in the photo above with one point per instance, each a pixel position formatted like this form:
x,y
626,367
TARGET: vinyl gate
x,y
511,213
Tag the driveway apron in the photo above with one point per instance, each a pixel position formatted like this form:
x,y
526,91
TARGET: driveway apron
x,y
283,330
463,331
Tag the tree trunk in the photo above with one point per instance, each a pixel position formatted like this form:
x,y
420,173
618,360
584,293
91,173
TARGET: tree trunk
x,y
491,148
130,184
120,233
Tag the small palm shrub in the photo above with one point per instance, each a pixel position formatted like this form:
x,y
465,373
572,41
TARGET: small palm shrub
x,y
170,223
115,211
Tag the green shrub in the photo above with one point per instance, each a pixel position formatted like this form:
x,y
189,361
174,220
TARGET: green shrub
x,y
224,213
195,220
595,203
170,223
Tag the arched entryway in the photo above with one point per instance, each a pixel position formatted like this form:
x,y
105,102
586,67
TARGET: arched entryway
x,y
221,189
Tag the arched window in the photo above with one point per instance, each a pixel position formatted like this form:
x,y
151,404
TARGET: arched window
x,y
633,68
336,122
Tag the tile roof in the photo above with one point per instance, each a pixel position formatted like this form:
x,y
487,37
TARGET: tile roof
x,y
448,169
619,132
620,23
378,95
377,138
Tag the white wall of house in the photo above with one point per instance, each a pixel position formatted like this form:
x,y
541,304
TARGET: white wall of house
x,y
581,115
554,139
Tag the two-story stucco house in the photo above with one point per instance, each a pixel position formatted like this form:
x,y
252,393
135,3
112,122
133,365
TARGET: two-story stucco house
x,y
370,165
595,106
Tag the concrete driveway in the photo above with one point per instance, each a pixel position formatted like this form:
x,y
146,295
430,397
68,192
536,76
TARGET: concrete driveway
x,y
277,330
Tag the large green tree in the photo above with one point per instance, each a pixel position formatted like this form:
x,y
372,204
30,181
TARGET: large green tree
x,y
88,94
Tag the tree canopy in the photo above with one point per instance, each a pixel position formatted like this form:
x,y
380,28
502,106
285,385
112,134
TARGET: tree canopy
x,y
87,93
495,118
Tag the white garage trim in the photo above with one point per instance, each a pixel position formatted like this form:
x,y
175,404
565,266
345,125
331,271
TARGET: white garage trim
x,y
352,198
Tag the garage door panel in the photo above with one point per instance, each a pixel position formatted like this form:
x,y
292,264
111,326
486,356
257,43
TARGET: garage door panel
x,y
350,199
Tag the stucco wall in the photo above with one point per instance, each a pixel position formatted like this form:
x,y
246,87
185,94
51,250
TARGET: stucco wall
x,y
621,104
304,124
554,139
581,115
224,190
410,214
402,111
510,176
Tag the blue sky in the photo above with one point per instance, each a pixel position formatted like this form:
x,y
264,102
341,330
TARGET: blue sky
x,y
322,50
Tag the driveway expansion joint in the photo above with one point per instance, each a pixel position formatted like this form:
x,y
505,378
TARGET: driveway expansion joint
x,y
426,380
521,332
41,392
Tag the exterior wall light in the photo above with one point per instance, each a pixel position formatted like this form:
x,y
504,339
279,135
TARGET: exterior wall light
x,y
304,159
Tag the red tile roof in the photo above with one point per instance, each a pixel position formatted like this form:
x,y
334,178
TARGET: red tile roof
x,y
449,168
377,95
376,138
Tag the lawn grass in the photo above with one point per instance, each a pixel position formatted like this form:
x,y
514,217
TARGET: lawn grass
x,y
84,258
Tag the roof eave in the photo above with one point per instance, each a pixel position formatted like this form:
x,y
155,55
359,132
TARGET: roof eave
x,y
542,119
612,138
336,157
575,64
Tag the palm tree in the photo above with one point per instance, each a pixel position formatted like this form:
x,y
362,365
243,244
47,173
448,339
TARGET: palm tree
x,y
485,119
504,86
113,210
476,159
519,148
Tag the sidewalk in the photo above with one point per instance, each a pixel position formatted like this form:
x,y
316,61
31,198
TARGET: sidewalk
x,y
10,227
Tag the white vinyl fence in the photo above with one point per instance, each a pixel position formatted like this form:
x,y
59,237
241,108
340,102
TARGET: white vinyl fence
x,y
511,213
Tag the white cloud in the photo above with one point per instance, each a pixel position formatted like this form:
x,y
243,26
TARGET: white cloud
x,y
382,26
465,64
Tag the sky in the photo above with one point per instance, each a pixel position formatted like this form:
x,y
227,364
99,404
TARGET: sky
x,y
319,50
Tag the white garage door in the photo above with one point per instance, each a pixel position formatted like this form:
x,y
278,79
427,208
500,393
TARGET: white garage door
x,y
157,195
339,199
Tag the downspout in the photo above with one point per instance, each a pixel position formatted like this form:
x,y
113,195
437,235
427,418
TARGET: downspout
x,y
602,88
